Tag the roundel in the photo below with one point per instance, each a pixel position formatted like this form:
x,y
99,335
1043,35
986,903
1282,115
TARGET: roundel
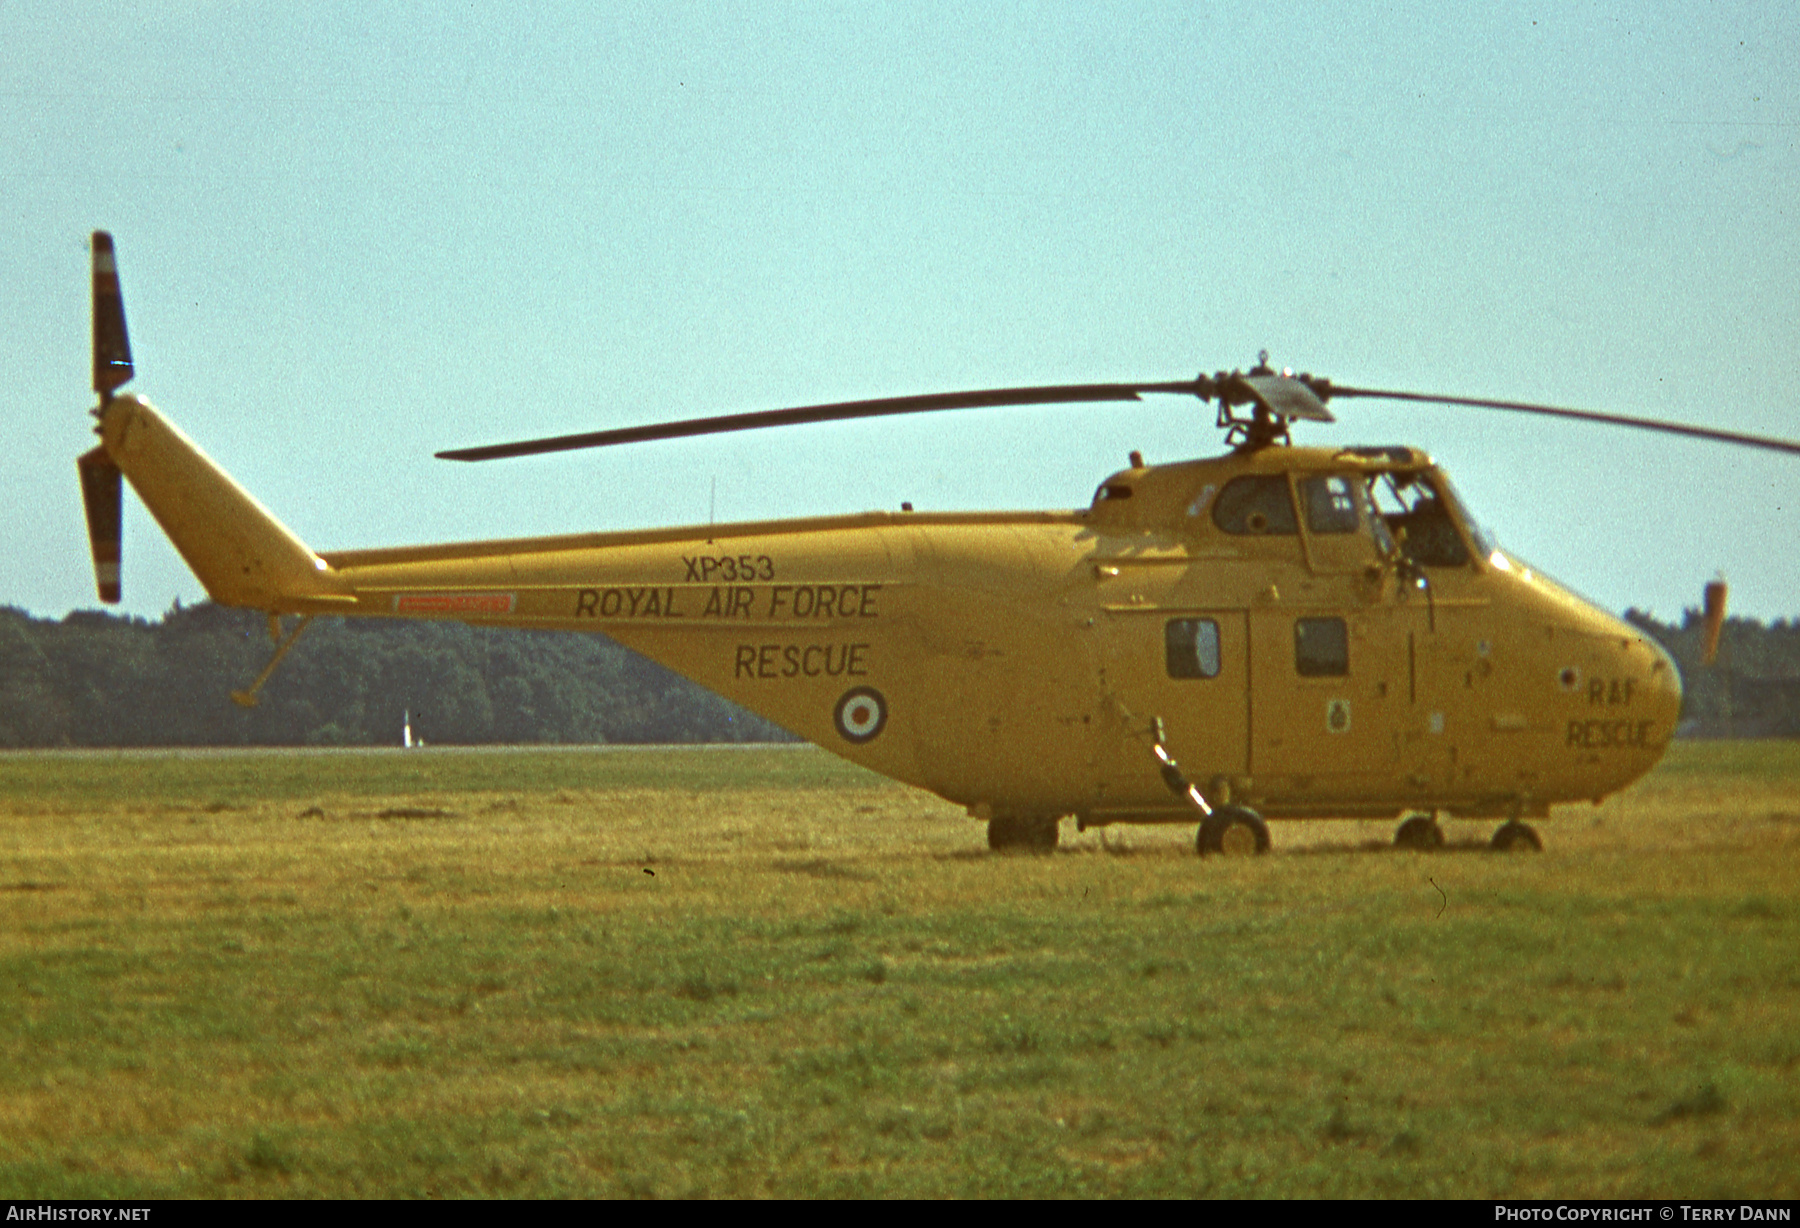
x,y
860,714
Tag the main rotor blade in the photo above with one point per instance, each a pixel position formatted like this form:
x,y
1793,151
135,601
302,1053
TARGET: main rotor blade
x,y
112,346
1580,415
838,411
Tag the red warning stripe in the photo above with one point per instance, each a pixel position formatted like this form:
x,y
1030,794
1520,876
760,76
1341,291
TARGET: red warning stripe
x,y
455,603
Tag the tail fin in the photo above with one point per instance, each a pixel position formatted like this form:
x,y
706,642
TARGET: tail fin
x,y
239,551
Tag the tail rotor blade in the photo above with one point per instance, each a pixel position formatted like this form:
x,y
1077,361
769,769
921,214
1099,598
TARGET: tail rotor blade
x,y
102,494
1714,597
112,347
102,491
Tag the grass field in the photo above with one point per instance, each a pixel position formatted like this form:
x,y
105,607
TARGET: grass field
x,y
763,971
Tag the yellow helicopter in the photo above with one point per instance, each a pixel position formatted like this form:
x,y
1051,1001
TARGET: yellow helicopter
x,y
1279,632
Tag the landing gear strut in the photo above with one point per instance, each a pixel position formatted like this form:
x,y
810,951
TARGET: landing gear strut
x,y
1230,831
1011,833
252,695
1420,833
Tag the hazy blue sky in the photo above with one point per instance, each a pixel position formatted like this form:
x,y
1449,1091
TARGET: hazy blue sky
x,y
351,235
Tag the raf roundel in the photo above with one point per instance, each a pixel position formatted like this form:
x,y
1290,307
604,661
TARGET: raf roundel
x,y
860,714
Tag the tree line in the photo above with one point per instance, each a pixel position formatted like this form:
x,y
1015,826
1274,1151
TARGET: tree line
x,y
94,679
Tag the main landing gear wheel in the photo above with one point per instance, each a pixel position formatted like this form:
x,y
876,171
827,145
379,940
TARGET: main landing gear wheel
x,y
1516,837
1420,833
1022,834
1233,831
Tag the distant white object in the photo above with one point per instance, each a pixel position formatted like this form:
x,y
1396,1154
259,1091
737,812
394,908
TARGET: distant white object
x,y
406,730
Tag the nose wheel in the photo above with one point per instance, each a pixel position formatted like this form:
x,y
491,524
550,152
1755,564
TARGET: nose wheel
x,y
1233,831
1516,837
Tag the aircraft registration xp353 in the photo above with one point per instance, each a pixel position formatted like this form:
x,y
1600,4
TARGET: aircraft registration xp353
x,y
1278,632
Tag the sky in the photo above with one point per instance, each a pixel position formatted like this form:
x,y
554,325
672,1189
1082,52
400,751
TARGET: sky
x,y
352,235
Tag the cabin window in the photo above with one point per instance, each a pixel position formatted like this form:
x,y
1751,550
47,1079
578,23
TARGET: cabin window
x,y
1330,505
1191,646
1321,647
1256,505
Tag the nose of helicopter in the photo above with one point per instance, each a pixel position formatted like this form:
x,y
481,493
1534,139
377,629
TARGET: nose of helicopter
x,y
1663,704
1623,706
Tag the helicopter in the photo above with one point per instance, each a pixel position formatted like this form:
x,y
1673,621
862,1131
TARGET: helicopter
x,y
1279,632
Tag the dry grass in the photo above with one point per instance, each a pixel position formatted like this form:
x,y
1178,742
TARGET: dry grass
x,y
742,972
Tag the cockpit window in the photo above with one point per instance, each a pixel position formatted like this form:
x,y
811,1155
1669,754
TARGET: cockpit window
x,y
1419,518
1484,541
1256,505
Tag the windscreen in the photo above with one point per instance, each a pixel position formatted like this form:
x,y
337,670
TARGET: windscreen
x,y
1422,514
